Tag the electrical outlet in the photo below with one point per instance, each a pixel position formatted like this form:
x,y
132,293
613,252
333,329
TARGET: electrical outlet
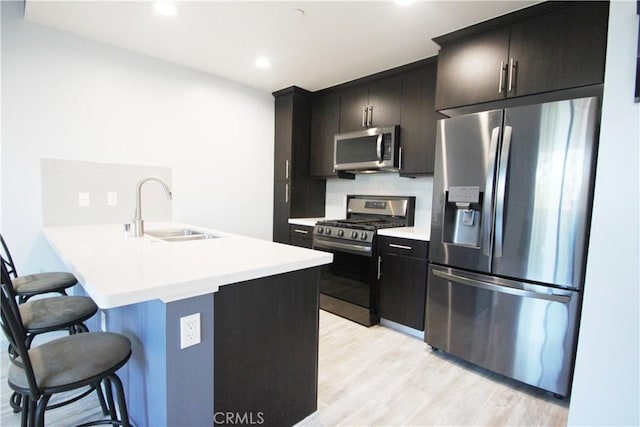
x,y
112,198
190,330
83,199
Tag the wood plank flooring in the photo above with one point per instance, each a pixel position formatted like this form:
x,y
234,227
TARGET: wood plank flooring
x,y
380,377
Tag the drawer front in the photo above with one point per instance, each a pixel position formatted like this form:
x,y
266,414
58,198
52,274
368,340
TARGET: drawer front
x,y
403,247
300,235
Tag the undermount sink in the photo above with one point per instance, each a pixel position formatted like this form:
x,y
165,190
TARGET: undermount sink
x,y
180,235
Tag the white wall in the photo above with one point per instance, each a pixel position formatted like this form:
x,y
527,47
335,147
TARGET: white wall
x,y
64,97
605,386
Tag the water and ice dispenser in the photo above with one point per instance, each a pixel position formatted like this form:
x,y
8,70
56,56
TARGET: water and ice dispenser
x,y
462,215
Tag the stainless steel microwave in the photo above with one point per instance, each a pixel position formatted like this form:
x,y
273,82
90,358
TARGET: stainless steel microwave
x,y
368,150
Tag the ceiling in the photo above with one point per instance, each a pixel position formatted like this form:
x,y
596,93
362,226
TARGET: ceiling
x,y
311,44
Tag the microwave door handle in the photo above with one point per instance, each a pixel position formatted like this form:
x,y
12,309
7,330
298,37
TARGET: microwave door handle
x,y
379,148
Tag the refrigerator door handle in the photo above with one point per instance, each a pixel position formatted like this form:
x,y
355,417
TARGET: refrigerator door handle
x,y
564,299
488,192
501,190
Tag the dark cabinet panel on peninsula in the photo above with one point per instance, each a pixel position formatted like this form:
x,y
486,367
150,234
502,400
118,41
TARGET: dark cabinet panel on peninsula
x,y
403,280
325,123
296,194
266,349
548,47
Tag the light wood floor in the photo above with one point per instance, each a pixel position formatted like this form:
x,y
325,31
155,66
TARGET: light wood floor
x,y
380,377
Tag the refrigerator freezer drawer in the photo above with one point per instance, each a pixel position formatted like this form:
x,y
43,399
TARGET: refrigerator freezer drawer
x,y
523,331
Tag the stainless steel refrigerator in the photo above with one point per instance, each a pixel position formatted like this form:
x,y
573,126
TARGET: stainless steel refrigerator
x,y
512,198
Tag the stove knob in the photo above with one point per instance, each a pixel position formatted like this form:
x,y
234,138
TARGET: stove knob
x,y
340,232
363,236
354,234
327,231
320,230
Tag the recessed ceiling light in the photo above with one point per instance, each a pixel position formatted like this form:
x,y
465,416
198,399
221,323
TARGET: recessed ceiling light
x,y
165,8
263,62
297,12
404,2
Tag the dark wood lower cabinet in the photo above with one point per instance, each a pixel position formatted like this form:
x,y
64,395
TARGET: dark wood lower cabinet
x,y
301,235
403,280
266,350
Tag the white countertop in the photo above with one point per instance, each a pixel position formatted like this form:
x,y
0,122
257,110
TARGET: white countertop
x,y
117,270
309,222
415,233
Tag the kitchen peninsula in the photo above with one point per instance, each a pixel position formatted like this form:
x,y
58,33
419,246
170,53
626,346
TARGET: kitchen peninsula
x,y
258,316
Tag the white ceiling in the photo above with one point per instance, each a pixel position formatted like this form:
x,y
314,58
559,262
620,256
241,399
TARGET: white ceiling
x,y
330,43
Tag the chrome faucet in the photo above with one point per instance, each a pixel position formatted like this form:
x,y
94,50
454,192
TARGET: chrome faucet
x,y
138,224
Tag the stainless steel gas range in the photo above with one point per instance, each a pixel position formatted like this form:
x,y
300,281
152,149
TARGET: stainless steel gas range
x,y
348,285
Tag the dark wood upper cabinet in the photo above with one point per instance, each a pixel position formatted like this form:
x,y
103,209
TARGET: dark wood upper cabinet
x,y
472,71
403,96
353,102
559,50
376,103
548,47
283,137
418,121
384,101
325,123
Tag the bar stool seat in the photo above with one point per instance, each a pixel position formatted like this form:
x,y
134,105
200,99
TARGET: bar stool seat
x,y
24,287
40,315
41,283
71,362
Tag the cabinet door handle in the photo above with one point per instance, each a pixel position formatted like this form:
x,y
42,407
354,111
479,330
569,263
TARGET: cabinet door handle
x,y
393,245
400,159
513,65
379,269
286,169
501,80
370,116
286,193
297,230
364,117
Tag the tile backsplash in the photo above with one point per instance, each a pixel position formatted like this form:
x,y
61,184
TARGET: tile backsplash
x,y
108,188
381,184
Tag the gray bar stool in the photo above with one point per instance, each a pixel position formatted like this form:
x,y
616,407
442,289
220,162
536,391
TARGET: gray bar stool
x,y
50,314
83,362
35,284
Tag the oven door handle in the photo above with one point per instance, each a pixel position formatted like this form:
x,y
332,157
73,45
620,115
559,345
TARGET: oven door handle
x,y
345,247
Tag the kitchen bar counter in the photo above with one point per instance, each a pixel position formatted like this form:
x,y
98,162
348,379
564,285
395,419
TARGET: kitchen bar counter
x,y
116,270
257,303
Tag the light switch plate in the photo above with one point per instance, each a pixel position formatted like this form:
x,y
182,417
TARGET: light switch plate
x,y
112,198
189,330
